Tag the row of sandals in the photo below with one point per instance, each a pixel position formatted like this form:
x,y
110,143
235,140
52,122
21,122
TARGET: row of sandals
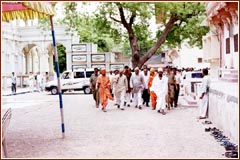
x,y
231,148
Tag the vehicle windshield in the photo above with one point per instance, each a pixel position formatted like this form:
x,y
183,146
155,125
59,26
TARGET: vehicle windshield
x,y
197,75
66,75
79,75
89,73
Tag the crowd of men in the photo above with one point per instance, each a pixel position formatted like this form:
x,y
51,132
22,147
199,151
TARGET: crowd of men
x,y
160,87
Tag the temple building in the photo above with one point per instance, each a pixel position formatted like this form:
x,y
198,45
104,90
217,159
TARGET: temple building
x,y
220,49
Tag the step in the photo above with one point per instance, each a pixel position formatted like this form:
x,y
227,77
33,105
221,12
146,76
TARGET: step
x,y
188,101
230,76
231,71
233,80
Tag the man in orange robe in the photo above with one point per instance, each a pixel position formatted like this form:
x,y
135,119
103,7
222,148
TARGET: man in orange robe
x,y
103,83
153,96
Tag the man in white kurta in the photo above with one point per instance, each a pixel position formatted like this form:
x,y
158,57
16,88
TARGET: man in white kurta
x,y
204,95
159,87
113,81
137,85
145,95
120,89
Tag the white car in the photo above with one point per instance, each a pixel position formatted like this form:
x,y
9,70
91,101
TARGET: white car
x,y
72,80
191,82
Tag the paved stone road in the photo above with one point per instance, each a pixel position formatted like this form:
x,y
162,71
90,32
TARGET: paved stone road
x,y
35,130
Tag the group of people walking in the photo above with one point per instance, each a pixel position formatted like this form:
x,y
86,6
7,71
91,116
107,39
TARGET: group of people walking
x,y
141,87
37,81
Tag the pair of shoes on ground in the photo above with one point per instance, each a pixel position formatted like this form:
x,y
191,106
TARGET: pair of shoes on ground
x,y
201,117
104,109
138,107
231,154
207,122
163,113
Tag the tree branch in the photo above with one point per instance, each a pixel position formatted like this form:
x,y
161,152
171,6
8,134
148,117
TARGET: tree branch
x,y
123,20
132,18
161,39
116,20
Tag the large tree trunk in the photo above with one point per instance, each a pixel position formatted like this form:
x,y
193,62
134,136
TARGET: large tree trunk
x,y
135,52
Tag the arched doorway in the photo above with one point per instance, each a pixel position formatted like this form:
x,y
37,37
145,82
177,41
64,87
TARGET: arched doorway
x,y
32,58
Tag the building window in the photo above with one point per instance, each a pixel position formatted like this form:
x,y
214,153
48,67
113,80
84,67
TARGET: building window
x,y
227,45
236,43
199,60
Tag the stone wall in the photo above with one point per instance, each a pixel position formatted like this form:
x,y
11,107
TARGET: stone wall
x,y
224,108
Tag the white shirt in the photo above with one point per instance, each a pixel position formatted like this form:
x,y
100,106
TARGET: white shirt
x,y
205,85
145,78
113,80
14,79
137,82
122,83
39,78
178,78
160,86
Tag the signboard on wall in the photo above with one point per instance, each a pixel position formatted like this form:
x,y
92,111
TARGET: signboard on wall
x,y
98,57
79,47
76,67
98,66
116,66
79,58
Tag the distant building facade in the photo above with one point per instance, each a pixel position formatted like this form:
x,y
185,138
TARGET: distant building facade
x,y
85,55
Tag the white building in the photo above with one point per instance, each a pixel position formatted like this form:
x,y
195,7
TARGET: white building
x,y
28,49
220,47
190,57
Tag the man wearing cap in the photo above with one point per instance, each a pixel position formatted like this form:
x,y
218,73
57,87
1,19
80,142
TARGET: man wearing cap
x,y
160,87
153,96
145,94
128,74
171,87
93,81
113,81
120,89
103,84
137,85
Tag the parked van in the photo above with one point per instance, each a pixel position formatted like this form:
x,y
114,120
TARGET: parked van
x,y
76,80
190,81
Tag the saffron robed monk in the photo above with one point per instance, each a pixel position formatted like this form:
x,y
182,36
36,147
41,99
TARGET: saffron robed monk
x,y
104,85
153,95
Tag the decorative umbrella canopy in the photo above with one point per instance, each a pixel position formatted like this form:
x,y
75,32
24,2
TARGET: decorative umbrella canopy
x,y
26,10
32,10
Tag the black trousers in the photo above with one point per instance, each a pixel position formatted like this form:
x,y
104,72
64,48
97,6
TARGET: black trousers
x,y
14,88
176,94
145,96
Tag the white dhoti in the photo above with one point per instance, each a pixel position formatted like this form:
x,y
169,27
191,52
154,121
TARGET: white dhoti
x,y
128,98
120,98
138,98
203,105
161,102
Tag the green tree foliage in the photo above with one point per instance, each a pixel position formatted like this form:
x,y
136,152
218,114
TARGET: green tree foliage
x,y
62,61
88,27
181,21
